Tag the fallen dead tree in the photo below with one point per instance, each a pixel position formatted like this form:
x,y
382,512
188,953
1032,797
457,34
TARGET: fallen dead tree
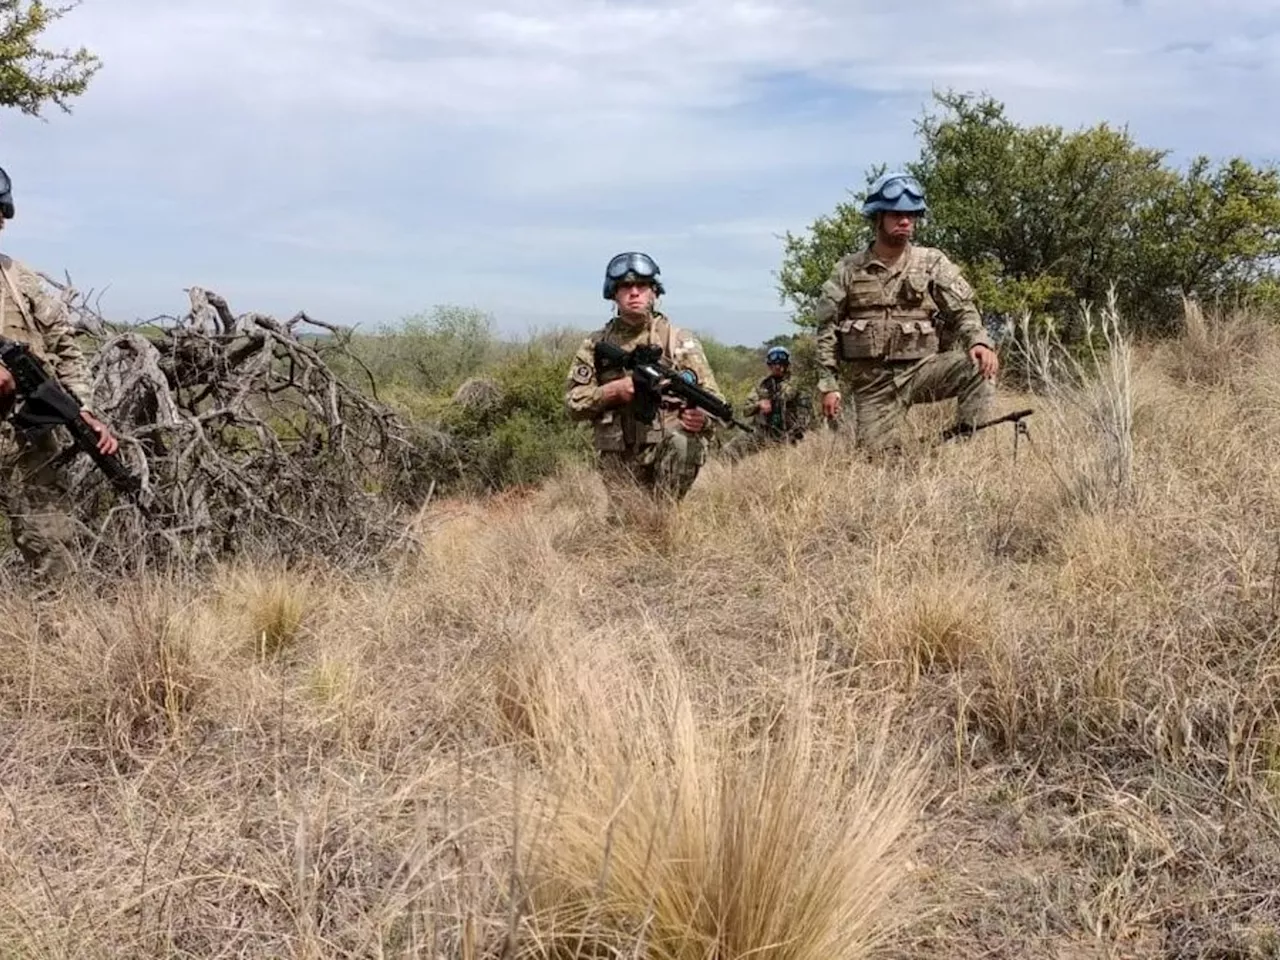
x,y
246,440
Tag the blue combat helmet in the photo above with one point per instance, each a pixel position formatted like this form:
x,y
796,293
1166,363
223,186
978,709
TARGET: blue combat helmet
x,y
632,267
777,355
898,192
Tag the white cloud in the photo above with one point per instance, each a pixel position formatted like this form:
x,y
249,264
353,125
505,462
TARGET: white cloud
x,y
383,155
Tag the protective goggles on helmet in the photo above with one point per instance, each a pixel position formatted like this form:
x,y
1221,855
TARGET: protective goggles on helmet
x,y
777,355
900,185
641,264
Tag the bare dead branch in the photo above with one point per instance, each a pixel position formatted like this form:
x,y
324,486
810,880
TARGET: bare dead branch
x,y
245,440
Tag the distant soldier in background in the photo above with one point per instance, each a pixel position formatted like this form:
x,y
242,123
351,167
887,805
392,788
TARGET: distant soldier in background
x,y
782,412
663,455
879,313
32,491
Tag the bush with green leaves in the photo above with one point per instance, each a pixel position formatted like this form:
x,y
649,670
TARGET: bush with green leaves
x,y
509,427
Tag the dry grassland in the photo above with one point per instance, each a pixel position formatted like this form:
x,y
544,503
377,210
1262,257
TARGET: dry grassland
x,y
963,705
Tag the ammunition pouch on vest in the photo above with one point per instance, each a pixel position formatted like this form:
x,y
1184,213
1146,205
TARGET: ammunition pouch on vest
x,y
878,338
616,430
878,328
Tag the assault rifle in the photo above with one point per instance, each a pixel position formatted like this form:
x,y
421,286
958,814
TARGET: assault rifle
x,y
777,415
964,430
43,403
655,379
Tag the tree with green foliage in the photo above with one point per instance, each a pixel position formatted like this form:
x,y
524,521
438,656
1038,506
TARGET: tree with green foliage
x,y
32,76
1041,219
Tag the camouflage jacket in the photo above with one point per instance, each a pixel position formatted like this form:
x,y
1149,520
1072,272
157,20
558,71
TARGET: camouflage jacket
x,y
875,313
39,319
617,428
791,408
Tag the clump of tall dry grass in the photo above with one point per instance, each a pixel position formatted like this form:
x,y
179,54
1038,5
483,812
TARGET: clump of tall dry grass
x,y
954,704
653,834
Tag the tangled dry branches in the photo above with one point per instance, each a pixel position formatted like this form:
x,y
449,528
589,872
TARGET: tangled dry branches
x,y
245,440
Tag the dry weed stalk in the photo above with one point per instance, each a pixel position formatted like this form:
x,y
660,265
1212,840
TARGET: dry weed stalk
x,y
1096,387
1213,349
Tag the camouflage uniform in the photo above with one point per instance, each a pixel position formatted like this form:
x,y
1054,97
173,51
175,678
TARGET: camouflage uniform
x,y
31,491
883,322
787,421
660,456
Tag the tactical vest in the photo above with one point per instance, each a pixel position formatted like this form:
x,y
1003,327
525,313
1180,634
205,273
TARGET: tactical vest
x,y
888,321
618,429
16,319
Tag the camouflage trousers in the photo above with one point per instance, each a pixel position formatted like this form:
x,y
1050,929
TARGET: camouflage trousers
x,y
32,498
666,469
882,394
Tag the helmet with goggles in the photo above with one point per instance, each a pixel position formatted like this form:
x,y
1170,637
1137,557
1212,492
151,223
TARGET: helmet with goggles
x,y
777,355
631,267
897,192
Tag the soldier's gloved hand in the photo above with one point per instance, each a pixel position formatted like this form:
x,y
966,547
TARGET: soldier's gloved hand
x,y
7,384
987,361
765,406
693,419
622,390
831,404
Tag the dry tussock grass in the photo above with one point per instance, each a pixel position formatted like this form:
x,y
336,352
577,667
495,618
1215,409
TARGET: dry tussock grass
x,y
958,705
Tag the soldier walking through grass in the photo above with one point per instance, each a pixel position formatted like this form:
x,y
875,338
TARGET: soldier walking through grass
x,y
662,454
882,312
32,493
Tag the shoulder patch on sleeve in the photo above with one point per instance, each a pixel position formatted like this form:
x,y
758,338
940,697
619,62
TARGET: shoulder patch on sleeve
x,y
961,288
947,274
581,373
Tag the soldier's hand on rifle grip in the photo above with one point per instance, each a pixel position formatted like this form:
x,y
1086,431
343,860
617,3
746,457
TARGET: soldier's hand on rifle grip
x,y
7,383
765,406
987,361
831,404
693,419
622,390
107,443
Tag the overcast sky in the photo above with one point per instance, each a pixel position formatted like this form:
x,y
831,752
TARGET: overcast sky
x,y
367,159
